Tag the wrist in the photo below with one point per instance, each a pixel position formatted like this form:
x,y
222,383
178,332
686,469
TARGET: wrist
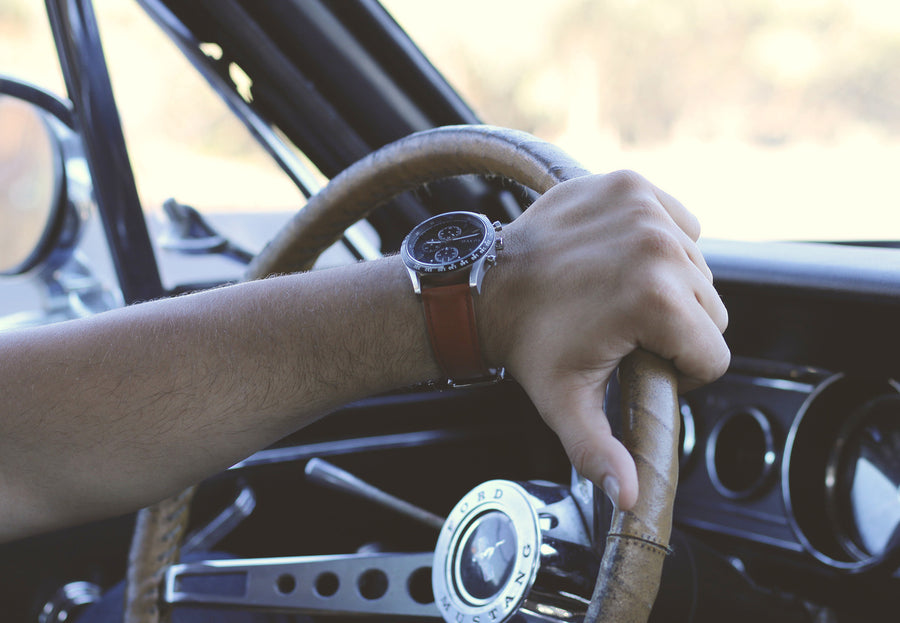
x,y
499,307
419,364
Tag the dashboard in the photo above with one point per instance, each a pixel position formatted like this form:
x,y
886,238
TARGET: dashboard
x,y
791,462
805,462
788,504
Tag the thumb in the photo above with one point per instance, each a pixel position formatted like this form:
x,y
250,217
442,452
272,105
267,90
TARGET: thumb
x,y
576,415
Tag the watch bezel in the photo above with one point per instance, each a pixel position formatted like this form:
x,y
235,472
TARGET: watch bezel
x,y
428,268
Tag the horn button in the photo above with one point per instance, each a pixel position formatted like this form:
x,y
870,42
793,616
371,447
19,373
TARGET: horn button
x,y
485,561
500,542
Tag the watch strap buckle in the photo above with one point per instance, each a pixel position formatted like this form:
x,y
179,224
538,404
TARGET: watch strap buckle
x,y
496,375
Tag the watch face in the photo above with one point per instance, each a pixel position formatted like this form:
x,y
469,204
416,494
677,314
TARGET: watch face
x,y
448,242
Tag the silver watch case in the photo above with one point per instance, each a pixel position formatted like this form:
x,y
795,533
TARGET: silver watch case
x,y
476,263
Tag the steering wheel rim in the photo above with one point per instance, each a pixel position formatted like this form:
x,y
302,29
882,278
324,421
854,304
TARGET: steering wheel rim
x,y
638,540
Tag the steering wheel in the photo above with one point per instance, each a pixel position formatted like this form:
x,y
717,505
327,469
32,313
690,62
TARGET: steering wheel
x,y
637,542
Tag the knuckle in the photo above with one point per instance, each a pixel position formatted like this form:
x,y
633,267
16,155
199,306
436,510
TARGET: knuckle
x,y
643,209
626,181
720,363
656,243
579,454
692,226
712,365
722,317
659,295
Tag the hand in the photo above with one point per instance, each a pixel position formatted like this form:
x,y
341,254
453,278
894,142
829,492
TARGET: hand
x,y
596,268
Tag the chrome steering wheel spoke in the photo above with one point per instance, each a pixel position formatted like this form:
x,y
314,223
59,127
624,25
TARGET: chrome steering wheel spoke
x,y
392,584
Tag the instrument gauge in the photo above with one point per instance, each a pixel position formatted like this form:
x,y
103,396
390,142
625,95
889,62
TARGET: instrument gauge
x,y
863,479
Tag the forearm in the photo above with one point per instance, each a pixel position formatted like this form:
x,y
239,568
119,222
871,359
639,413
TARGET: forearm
x,y
149,399
107,414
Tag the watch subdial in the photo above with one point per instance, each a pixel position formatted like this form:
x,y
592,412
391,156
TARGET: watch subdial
x,y
446,254
450,232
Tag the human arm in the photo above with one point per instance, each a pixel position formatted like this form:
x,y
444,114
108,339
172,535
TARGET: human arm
x,y
110,413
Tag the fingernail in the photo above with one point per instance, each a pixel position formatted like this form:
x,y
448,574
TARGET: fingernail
x,y
611,488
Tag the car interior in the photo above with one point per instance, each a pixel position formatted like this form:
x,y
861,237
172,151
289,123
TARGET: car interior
x,y
787,506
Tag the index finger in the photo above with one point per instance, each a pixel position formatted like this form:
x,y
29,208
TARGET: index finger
x,y
683,217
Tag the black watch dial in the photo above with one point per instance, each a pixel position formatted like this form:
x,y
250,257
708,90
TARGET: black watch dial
x,y
448,242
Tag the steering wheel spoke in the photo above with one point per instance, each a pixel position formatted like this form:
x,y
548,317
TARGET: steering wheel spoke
x,y
389,584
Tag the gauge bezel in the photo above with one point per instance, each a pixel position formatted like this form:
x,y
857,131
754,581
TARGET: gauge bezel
x,y
845,533
803,466
687,435
768,460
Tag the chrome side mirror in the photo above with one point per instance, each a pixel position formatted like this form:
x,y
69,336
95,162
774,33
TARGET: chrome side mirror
x,y
32,186
46,201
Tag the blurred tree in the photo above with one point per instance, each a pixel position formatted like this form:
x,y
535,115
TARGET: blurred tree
x,y
643,70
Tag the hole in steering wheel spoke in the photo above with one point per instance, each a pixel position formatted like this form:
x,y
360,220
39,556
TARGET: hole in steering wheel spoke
x,y
327,584
285,584
373,584
419,586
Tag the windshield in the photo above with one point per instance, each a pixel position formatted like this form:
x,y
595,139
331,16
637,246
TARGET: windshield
x,y
768,119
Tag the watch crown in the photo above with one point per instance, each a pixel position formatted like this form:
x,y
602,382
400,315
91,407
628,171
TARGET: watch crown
x,y
498,244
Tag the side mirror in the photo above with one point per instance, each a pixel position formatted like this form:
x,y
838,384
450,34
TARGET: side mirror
x,y
32,186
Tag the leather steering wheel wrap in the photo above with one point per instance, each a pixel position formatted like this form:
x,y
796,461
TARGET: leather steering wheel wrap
x,y
638,540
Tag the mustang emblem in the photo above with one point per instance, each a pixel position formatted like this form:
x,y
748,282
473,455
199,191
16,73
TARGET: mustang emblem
x,y
482,554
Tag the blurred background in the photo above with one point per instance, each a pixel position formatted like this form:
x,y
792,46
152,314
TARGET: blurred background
x,y
768,119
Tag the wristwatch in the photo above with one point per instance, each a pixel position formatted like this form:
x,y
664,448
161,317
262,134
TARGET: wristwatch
x,y
447,256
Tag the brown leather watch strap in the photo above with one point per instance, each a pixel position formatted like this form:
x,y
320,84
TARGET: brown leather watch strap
x,y
450,315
